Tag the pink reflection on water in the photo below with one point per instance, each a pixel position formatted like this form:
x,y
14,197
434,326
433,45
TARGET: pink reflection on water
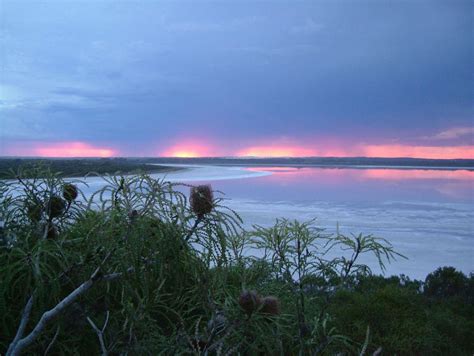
x,y
372,183
404,174
308,175
367,173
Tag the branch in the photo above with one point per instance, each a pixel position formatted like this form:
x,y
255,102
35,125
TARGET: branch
x,y
377,352
354,257
21,329
18,344
52,341
100,333
193,229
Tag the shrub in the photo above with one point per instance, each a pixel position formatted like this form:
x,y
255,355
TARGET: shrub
x,y
138,269
446,282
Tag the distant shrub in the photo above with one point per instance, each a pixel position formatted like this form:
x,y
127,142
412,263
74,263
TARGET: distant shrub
x,y
446,282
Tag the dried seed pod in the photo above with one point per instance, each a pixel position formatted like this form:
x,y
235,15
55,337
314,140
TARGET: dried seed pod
x,y
201,199
56,206
270,305
249,301
70,192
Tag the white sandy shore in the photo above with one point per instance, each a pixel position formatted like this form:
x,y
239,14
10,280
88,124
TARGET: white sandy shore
x,y
192,172
189,173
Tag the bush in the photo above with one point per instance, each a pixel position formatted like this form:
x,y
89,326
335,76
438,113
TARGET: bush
x,y
402,318
446,282
137,269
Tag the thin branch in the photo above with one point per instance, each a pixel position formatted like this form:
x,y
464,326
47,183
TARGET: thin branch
x,y
52,341
366,342
354,257
193,229
100,333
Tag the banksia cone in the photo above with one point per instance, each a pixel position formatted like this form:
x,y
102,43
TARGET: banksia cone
x,y
56,206
201,199
69,192
249,301
270,305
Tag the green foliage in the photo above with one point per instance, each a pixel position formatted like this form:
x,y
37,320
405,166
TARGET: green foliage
x,y
77,167
446,282
402,318
166,278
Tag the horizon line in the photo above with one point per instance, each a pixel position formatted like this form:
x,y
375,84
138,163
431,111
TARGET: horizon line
x,y
237,157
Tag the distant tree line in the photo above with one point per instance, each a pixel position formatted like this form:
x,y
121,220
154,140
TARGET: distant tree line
x,y
322,161
77,167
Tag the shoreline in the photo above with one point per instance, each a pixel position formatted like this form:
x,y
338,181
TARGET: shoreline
x,y
343,166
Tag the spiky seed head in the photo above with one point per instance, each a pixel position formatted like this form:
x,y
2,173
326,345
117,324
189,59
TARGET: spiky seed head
x,y
70,192
249,301
270,305
56,206
201,199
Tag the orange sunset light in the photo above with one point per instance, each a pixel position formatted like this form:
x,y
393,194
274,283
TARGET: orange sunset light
x,y
276,151
187,151
72,149
195,149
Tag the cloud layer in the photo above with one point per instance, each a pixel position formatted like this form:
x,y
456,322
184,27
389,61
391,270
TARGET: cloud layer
x,y
146,77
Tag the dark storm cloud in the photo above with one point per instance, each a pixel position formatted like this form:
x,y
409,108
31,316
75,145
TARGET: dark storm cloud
x,y
145,71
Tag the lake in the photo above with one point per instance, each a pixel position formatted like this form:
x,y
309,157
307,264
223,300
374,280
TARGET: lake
x,y
427,214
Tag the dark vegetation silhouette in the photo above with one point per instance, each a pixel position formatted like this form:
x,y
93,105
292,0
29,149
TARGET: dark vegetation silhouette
x,y
139,269
78,167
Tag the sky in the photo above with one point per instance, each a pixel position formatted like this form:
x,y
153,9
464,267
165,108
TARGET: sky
x,y
386,78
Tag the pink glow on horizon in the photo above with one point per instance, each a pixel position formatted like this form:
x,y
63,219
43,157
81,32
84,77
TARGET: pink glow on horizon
x,y
58,149
433,152
276,151
382,151
188,150
73,149
206,148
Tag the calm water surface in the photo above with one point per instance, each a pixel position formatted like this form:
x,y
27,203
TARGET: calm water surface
x,y
428,215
